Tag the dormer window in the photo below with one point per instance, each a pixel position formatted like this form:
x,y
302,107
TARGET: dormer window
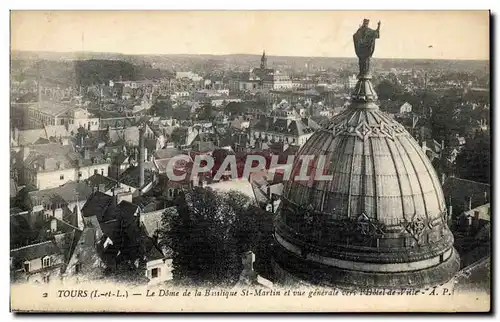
x,y
46,261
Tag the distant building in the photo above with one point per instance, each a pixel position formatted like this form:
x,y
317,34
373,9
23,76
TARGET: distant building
x,y
51,165
351,82
405,108
52,113
281,126
43,135
46,261
119,229
60,202
262,78
189,75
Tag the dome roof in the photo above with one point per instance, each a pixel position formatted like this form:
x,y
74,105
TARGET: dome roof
x,y
383,211
378,169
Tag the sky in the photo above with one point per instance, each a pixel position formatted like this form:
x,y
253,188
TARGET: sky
x,y
404,34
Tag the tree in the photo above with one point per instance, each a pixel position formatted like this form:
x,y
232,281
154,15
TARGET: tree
x,y
388,90
182,112
162,108
235,109
209,234
474,162
178,136
203,249
206,112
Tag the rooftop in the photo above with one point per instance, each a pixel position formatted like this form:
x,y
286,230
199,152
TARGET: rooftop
x,y
34,251
69,192
52,108
459,190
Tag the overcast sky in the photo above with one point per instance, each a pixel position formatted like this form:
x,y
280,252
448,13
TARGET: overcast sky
x,y
404,34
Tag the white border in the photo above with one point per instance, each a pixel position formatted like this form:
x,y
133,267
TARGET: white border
x,y
200,4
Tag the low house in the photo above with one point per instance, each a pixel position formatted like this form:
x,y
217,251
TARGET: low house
x,y
121,238
37,263
51,165
45,261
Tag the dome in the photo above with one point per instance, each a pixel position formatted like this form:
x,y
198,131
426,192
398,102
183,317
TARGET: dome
x,y
381,221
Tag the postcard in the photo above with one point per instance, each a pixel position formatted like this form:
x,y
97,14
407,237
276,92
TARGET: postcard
x,y
250,161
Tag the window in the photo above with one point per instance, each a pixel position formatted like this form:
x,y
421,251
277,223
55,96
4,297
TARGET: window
x,y
46,279
26,267
61,177
155,272
46,262
102,172
78,268
79,174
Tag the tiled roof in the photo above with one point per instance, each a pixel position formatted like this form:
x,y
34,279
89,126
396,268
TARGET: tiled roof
x,y
105,208
52,157
311,123
166,153
152,220
162,165
129,134
97,180
27,253
13,188
281,126
460,189
130,177
153,253
52,108
203,146
475,278
96,205
69,192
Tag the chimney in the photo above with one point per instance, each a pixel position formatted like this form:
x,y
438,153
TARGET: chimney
x,y
469,203
142,155
486,197
58,214
53,225
443,178
25,152
476,219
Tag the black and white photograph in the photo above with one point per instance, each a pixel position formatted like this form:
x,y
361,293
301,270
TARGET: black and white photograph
x,y
250,161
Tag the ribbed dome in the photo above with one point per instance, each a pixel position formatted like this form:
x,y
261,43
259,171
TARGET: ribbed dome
x,y
382,216
378,169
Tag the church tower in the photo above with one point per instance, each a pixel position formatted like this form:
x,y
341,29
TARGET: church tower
x,y
263,61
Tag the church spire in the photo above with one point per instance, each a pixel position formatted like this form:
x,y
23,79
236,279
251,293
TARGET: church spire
x,y
263,60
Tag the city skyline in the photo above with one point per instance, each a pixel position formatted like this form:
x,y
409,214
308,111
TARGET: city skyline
x,y
455,35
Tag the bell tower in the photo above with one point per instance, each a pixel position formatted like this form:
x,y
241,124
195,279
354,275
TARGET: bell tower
x,y
263,61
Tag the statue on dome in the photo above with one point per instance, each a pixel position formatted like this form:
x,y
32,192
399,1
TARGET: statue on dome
x,y
364,45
